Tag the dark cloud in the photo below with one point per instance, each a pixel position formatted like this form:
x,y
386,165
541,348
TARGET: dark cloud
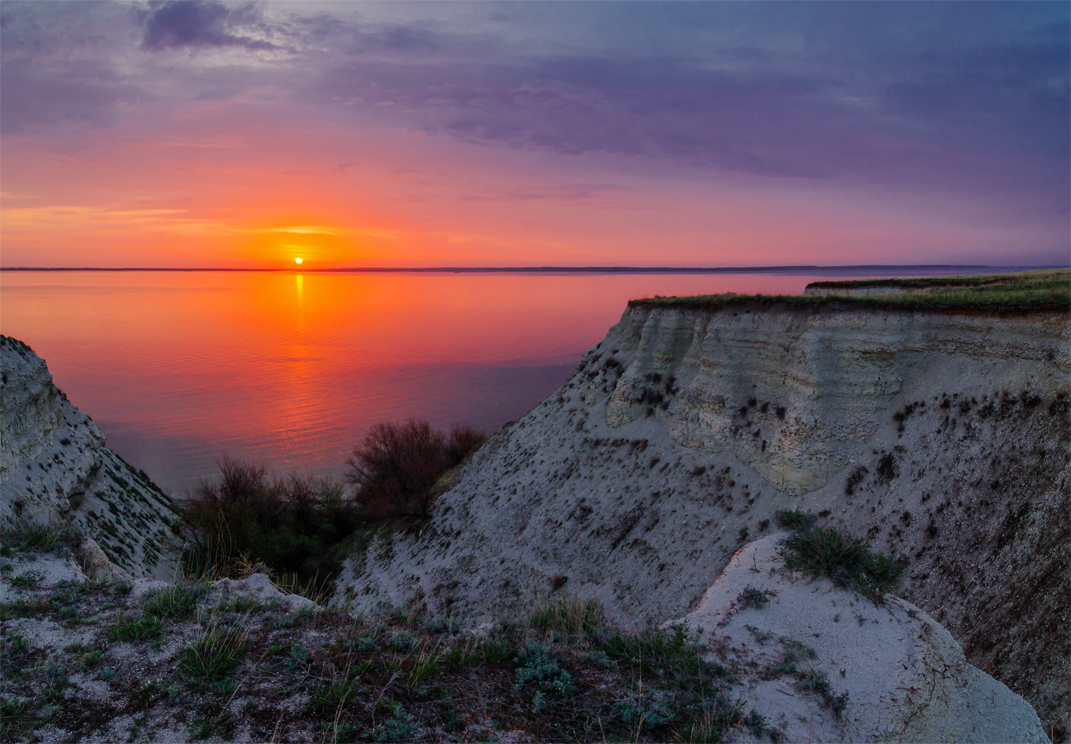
x,y
192,23
964,106
956,97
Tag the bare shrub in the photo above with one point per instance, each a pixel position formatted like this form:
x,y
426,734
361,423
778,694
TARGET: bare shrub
x,y
463,440
395,469
396,466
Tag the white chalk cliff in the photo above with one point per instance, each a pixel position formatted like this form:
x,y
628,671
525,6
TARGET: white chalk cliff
x,y
940,436
826,664
55,469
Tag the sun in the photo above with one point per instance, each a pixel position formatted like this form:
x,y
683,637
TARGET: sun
x,y
297,260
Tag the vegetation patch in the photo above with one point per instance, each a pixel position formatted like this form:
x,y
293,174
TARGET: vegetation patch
x,y
848,562
293,525
397,466
30,537
1047,290
563,673
213,654
173,602
143,628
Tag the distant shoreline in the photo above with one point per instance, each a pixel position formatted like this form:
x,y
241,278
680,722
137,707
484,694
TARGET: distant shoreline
x,y
865,268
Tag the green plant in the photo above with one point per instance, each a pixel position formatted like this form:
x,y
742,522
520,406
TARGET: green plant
x,y
717,716
173,601
39,538
299,655
459,656
91,658
424,666
756,723
141,628
205,728
848,562
399,727
24,608
650,710
245,604
494,650
539,670
568,615
334,694
25,581
1039,289
15,718
402,640
294,525
362,644
752,597
653,651
216,652
56,681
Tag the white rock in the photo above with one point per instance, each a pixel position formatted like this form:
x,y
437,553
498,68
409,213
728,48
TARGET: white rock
x,y
55,469
906,678
260,586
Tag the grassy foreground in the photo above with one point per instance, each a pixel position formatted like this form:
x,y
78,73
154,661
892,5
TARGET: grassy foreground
x,y
99,660
1046,289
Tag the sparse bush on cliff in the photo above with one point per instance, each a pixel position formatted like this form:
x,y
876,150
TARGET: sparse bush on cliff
x,y
848,562
396,466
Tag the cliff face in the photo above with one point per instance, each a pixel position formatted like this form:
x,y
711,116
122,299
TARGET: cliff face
x,y
940,436
54,468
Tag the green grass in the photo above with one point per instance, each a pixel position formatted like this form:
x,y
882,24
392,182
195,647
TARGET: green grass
x,y
848,562
569,615
1048,289
31,537
173,602
142,628
215,653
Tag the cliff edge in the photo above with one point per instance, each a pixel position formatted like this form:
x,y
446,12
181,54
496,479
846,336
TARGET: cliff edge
x,y
941,435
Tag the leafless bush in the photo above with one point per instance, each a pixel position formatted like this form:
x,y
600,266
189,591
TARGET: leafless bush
x,y
395,469
463,439
396,466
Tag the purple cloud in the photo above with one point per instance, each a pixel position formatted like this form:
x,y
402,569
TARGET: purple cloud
x,y
193,23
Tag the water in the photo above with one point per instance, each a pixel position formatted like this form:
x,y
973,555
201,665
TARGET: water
x,y
290,369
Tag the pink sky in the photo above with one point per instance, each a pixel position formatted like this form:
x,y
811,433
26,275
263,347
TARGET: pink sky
x,y
224,156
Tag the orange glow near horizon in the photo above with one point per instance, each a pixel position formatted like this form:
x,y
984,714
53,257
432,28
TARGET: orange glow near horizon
x,y
416,200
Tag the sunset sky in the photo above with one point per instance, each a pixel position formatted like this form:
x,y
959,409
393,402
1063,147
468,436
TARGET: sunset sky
x,y
199,134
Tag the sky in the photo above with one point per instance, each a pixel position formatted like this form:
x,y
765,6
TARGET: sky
x,y
191,133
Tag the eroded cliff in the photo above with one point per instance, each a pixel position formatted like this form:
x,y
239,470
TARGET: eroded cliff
x,y
941,435
55,468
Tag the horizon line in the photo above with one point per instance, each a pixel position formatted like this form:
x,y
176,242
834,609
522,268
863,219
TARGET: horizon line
x,y
556,269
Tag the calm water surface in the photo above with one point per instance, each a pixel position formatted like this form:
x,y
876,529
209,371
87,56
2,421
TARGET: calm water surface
x,y
291,369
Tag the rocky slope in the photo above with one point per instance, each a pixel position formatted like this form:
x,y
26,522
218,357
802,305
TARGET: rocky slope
x,y
54,468
831,665
942,436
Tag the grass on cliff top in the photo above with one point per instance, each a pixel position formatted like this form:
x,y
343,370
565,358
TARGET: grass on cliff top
x,y
1029,289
